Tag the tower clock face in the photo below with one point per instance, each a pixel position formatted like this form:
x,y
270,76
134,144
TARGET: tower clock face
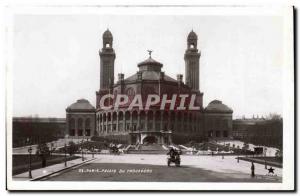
x,y
130,92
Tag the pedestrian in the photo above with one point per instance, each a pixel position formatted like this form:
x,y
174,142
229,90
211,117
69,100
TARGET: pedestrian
x,y
252,170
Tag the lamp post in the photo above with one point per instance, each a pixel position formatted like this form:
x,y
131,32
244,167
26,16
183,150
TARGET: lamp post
x,y
82,150
51,148
93,152
65,149
265,154
30,151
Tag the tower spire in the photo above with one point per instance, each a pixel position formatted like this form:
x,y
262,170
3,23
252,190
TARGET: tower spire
x,y
191,58
149,52
107,61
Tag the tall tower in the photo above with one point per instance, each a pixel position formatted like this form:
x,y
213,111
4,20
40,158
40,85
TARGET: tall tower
x,y
191,58
107,61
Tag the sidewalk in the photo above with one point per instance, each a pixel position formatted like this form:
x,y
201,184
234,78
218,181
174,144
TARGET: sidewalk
x,y
260,161
47,171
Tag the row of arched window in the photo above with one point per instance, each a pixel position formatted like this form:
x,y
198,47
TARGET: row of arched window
x,y
112,116
150,121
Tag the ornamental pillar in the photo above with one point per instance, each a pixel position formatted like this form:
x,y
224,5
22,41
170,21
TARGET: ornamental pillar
x,y
111,121
102,123
76,126
153,120
124,122
175,123
83,126
130,127
169,121
139,122
161,120
146,121
106,123
117,125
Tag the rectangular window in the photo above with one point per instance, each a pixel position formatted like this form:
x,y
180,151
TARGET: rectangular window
x,y
88,132
210,134
80,132
217,133
225,134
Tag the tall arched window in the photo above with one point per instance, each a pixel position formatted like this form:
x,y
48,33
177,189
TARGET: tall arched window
x,y
80,127
150,119
87,127
72,127
127,121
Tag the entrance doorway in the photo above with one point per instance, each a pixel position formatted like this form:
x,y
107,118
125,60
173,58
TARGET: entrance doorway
x,y
150,140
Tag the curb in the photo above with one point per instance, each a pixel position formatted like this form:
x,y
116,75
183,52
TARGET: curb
x,y
262,162
60,170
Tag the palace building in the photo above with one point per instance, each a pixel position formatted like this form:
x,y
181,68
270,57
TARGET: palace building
x,y
152,125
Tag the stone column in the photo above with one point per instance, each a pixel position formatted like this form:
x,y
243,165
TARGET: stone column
x,y
76,126
83,126
130,127
146,121
175,123
102,124
153,120
117,125
139,122
161,120
182,123
106,123
169,121
124,122
111,122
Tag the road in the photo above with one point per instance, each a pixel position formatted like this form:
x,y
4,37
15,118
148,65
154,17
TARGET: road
x,y
153,168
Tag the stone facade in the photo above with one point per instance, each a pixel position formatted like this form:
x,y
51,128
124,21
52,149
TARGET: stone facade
x,y
153,125
80,120
218,121
259,131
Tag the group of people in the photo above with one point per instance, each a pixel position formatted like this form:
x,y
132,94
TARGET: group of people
x,y
114,149
173,152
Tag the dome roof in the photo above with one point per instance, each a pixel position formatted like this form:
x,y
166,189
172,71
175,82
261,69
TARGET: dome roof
x,y
218,106
192,35
81,105
150,61
150,75
107,34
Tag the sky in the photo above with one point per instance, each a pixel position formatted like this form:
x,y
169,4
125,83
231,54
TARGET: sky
x,y
56,60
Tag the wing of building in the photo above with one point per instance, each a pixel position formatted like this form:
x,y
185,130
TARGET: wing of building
x,y
154,125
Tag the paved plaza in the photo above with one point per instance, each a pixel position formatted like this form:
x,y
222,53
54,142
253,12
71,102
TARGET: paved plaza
x,y
132,167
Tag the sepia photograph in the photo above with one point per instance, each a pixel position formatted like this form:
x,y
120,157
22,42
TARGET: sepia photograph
x,y
150,98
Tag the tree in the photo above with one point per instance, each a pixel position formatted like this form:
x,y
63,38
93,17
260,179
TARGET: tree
x,y
43,152
72,148
274,117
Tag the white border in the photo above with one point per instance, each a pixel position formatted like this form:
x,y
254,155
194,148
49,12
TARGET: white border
x,y
288,86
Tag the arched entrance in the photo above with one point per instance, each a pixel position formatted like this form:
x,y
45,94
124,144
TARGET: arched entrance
x,y
150,140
